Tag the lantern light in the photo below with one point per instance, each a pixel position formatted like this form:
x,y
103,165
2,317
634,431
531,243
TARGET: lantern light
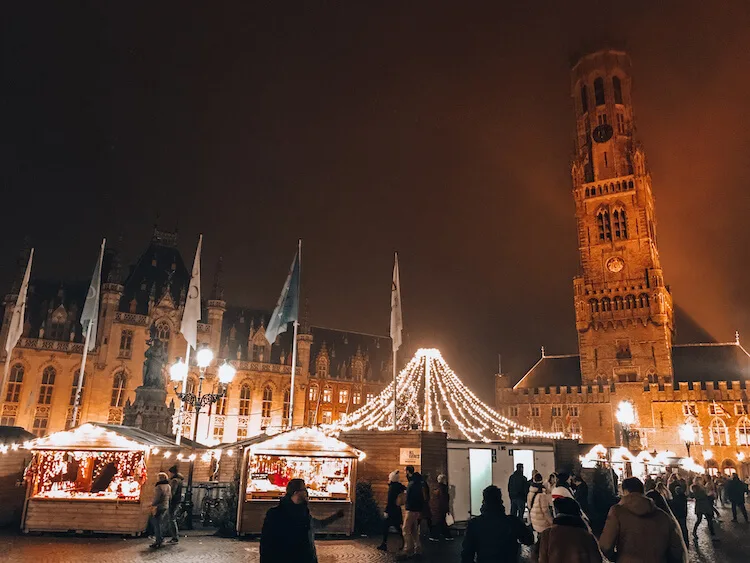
x,y
226,373
178,371
204,357
625,413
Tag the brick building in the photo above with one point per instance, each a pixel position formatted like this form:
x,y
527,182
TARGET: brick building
x,y
348,367
623,307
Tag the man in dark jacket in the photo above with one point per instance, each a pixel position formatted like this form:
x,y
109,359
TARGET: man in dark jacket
x,y
735,491
393,516
415,504
159,507
175,484
289,529
638,532
518,488
494,536
581,493
679,506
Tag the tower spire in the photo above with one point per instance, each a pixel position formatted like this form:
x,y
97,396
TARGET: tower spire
x,y
217,289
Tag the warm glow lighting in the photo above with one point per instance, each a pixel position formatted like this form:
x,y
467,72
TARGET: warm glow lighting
x,y
192,457
230,453
708,454
178,371
154,450
689,464
687,433
179,456
167,455
226,373
204,357
625,413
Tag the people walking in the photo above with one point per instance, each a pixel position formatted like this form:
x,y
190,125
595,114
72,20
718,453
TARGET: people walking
x,y
735,490
569,539
175,485
638,532
704,507
415,504
442,506
425,517
288,532
159,507
581,493
539,503
494,536
679,506
393,515
713,494
518,488
562,489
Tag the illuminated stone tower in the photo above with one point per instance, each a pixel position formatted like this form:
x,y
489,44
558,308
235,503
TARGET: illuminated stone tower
x,y
623,308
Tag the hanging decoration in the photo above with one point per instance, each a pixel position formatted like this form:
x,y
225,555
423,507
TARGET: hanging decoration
x,y
431,397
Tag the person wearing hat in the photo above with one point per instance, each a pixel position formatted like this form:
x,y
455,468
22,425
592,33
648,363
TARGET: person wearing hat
x,y
288,533
569,539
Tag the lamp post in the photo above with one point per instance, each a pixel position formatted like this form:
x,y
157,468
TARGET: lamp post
x,y
177,373
626,417
687,435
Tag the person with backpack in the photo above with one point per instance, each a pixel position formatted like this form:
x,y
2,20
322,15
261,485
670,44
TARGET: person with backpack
x,y
393,516
538,501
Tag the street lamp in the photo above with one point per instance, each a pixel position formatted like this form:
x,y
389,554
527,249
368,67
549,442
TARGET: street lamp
x,y
626,417
687,435
177,373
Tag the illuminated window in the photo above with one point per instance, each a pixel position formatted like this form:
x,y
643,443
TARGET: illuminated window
x,y
356,397
599,91
620,224
327,417
327,394
343,396
118,390
312,393
603,225
219,433
48,385
74,388
617,87
241,432
743,431
245,400
584,98
15,382
265,410
370,397
718,433
287,404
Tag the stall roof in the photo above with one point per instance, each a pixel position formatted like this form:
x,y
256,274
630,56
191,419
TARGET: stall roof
x,y
96,436
306,441
14,435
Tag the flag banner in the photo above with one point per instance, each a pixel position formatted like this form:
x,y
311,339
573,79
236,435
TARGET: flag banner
x,y
397,321
287,308
90,313
192,312
15,330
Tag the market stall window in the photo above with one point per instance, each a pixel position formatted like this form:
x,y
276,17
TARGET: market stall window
x,y
77,474
326,477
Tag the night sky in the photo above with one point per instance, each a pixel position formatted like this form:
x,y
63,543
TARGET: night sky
x,y
441,130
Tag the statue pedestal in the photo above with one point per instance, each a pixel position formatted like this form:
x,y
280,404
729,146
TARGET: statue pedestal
x,y
149,411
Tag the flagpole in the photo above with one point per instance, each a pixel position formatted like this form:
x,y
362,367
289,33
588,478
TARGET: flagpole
x,y
181,411
16,322
294,341
394,391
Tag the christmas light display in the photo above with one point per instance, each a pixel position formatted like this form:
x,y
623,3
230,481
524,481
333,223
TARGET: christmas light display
x,y
642,464
430,396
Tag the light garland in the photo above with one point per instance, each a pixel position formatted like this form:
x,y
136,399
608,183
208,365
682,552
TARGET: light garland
x,y
430,396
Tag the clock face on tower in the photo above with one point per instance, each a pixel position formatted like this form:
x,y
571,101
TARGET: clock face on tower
x,y
615,264
602,133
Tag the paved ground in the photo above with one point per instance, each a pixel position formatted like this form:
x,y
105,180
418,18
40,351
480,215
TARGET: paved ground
x,y
733,547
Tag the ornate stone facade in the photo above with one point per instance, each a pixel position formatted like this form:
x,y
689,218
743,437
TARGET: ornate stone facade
x,y
623,307
39,393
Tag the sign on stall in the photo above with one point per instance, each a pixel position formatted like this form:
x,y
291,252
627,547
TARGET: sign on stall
x,y
410,456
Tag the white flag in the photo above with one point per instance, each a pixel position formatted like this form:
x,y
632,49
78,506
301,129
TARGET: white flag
x,y
15,330
397,322
192,313
90,314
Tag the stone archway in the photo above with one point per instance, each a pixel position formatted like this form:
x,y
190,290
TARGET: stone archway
x,y
728,467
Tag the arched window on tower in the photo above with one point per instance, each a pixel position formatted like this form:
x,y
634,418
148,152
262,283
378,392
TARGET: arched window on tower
x,y
643,300
697,430
618,303
620,223
603,225
743,431
594,304
617,87
15,381
599,91
267,401
118,390
245,394
629,302
606,305
557,425
584,98
719,433
48,384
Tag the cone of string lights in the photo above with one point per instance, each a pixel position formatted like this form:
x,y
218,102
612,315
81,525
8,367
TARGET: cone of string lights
x,y
431,397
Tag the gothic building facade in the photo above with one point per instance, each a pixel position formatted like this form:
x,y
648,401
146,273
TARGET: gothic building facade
x,y
623,307
336,371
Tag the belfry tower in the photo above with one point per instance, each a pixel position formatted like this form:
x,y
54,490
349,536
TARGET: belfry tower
x,y
623,308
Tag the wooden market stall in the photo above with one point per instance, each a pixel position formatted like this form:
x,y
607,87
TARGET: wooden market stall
x,y
94,478
13,460
328,466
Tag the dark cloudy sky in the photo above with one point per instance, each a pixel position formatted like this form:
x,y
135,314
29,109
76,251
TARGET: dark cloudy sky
x,y
441,129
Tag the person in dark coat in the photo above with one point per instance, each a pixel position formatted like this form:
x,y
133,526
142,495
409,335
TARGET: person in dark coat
x,y
441,507
581,493
425,518
735,491
415,504
679,507
288,532
569,539
159,507
518,488
175,484
704,507
393,515
494,536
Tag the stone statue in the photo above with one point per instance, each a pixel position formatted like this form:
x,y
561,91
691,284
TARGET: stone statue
x,y
153,366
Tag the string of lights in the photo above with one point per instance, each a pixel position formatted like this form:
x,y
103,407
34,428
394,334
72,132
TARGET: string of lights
x,y
430,396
